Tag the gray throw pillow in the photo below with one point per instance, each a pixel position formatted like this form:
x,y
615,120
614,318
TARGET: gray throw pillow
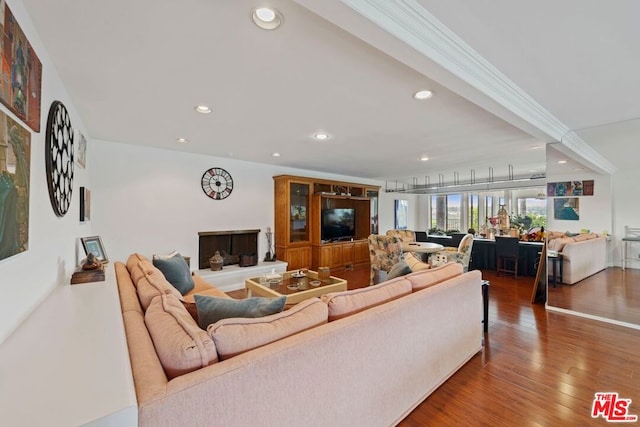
x,y
176,271
211,309
399,269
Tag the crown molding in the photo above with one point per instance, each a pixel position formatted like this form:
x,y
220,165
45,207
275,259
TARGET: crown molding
x,y
414,25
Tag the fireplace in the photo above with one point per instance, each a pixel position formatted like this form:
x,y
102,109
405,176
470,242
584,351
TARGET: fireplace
x,y
237,246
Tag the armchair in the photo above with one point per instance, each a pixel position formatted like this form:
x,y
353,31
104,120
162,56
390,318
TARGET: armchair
x,y
404,235
461,254
385,252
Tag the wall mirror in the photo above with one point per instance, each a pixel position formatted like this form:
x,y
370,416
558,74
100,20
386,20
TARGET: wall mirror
x,y
611,294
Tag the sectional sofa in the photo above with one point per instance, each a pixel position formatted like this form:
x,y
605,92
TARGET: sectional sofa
x,y
361,357
583,255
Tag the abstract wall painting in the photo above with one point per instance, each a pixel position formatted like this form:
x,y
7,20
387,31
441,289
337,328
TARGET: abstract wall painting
x,y
566,208
20,71
15,155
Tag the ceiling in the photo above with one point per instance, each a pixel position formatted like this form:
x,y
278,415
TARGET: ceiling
x,y
136,70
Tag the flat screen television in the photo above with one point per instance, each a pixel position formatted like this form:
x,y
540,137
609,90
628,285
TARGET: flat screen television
x,y
338,224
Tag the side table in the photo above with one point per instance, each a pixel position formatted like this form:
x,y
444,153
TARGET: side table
x,y
485,305
555,260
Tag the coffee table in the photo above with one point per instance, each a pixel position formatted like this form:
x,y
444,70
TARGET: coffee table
x,y
295,289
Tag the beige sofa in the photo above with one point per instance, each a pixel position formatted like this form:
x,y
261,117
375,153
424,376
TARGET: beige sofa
x,y
582,256
363,357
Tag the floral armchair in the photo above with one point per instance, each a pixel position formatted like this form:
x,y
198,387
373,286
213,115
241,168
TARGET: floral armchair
x,y
461,254
404,235
385,252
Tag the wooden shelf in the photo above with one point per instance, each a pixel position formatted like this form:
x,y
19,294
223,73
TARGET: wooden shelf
x,y
306,249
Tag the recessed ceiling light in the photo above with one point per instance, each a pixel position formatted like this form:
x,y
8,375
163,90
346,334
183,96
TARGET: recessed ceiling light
x,y
422,94
424,158
266,18
321,136
535,147
275,155
203,109
182,140
562,162
578,169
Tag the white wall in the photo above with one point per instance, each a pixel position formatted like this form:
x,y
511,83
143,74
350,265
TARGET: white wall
x,y
150,200
626,211
595,211
27,278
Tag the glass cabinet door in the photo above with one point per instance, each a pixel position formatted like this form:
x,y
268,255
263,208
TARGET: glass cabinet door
x,y
373,197
299,212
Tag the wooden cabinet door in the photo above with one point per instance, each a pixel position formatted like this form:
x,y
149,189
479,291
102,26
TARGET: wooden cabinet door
x,y
348,254
361,249
298,258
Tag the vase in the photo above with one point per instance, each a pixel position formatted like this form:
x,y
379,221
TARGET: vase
x,y
216,261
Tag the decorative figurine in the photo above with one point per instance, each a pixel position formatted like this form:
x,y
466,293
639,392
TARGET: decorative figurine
x,y
91,262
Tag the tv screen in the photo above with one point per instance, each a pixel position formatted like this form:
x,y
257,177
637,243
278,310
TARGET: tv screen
x,y
338,224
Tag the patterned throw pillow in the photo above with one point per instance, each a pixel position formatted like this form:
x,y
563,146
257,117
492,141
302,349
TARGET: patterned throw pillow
x,y
414,263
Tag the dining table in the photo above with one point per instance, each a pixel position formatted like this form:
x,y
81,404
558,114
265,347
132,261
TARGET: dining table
x,y
421,247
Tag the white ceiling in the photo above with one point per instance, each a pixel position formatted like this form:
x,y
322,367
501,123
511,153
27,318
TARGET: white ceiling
x,y
135,70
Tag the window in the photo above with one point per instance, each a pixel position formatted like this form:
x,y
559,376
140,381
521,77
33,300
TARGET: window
x,y
446,212
474,211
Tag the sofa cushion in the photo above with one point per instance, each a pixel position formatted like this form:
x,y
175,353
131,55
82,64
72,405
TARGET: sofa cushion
x,y
346,303
175,270
559,244
424,279
151,284
202,287
398,270
211,309
181,345
414,263
581,237
132,266
237,335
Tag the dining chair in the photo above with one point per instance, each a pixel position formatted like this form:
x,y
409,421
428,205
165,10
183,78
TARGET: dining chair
x,y
507,254
461,254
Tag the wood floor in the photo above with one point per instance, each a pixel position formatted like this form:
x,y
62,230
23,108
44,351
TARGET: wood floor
x,y
612,294
537,368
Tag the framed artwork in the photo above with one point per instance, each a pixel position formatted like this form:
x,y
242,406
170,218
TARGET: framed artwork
x,y
401,214
15,155
587,188
81,155
566,208
94,245
20,71
85,204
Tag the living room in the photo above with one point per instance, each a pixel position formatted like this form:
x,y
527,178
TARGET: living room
x,y
149,199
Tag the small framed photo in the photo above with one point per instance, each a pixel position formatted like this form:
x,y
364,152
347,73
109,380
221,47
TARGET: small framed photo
x,y
94,245
85,204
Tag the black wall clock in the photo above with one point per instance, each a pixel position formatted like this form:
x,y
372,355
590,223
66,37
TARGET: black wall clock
x,y
59,158
217,183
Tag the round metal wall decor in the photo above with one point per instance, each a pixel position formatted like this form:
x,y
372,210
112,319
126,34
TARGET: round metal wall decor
x,y
217,183
59,158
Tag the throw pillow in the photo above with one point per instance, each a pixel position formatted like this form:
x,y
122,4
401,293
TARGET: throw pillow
x,y
175,270
414,263
235,336
211,309
399,269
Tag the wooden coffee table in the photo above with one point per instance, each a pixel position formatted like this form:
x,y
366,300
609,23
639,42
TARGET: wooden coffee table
x,y
295,289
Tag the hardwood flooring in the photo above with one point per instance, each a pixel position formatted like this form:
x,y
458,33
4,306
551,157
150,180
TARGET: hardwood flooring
x,y
611,294
537,367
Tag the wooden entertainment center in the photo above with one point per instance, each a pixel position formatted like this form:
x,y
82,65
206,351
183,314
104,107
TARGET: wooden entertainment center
x,y
299,206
